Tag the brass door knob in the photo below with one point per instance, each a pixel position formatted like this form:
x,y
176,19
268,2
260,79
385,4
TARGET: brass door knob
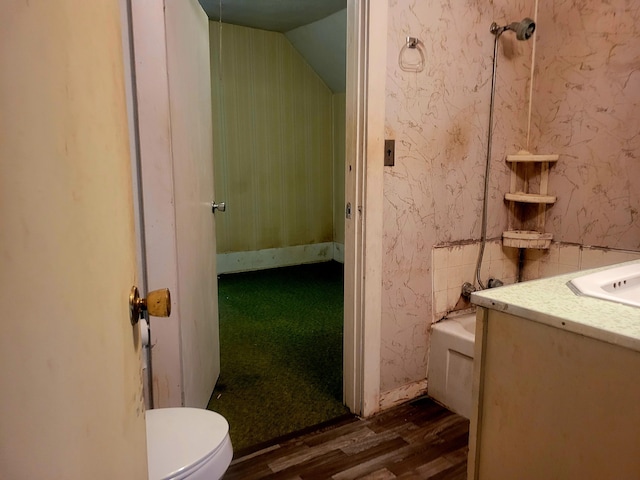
x,y
157,303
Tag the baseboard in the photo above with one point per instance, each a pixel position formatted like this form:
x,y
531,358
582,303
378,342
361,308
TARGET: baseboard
x,y
402,394
279,257
338,252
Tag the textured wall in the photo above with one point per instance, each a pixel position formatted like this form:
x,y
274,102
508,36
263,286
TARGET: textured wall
x,y
439,118
586,93
587,109
273,151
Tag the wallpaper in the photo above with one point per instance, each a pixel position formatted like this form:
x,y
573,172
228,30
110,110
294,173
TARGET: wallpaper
x,y
587,109
585,106
439,119
273,142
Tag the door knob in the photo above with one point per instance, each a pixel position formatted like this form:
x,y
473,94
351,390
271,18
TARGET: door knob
x,y
218,206
157,303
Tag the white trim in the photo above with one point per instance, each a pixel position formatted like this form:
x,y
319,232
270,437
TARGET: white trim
x,y
376,62
366,58
352,343
402,394
278,257
338,252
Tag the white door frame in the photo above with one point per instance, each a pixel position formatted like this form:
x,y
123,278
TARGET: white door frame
x,y
366,59
365,103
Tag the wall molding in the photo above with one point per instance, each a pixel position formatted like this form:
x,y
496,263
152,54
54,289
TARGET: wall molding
x,y
403,394
279,257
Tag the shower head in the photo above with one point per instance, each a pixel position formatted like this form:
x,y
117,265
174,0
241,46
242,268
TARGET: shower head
x,y
523,29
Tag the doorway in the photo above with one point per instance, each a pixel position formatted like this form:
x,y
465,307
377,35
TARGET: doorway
x,y
278,161
366,58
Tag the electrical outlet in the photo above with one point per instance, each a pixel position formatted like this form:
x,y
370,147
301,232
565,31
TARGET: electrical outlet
x,y
389,153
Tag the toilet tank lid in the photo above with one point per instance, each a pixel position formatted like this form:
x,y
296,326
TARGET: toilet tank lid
x,y
178,439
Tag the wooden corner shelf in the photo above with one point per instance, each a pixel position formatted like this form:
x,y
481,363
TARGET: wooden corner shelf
x,y
524,156
530,198
528,238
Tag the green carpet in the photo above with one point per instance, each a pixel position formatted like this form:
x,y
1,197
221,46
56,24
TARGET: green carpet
x,y
280,351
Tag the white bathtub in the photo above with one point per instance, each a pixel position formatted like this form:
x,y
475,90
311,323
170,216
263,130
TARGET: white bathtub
x,y
450,375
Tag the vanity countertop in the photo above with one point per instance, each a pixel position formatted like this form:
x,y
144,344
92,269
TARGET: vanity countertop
x,y
550,301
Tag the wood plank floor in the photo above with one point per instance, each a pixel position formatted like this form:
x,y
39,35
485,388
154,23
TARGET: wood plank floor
x,y
417,440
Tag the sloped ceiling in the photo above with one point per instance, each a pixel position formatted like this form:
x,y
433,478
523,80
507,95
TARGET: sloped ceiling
x,y
275,15
316,28
323,44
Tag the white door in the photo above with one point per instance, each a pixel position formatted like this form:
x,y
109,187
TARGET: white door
x,y
70,375
171,49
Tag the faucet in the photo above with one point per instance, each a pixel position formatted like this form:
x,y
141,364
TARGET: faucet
x,y
467,290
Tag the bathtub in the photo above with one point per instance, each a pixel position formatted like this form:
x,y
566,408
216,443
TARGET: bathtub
x,y
450,371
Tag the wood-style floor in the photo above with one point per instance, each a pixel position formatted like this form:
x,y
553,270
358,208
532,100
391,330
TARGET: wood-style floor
x,y
417,440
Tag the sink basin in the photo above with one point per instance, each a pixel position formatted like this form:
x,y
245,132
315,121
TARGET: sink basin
x,y
620,283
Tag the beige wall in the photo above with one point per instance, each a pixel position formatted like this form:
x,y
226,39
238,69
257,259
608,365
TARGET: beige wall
x,y
439,119
587,92
273,143
584,94
72,405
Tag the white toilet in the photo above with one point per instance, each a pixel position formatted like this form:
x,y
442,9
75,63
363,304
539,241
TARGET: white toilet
x,y
187,443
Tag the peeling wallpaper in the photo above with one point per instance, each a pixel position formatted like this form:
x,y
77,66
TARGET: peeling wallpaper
x,y
585,107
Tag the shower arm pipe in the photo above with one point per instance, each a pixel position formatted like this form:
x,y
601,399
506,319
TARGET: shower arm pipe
x,y
523,30
497,31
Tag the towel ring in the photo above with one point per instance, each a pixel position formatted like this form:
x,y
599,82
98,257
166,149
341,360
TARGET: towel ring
x,y
412,43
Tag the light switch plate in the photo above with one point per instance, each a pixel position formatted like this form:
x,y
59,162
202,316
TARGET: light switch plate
x,y
389,153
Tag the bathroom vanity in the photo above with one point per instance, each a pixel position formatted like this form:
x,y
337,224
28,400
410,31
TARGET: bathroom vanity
x,y
556,391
